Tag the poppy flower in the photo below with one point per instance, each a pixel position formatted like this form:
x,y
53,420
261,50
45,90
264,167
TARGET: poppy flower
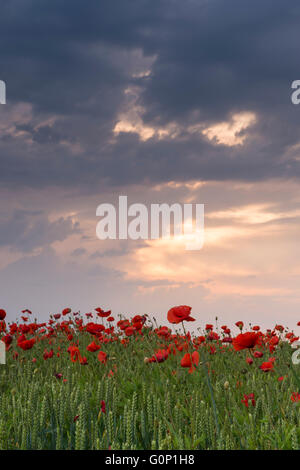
x,y
267,366
103,407
163,331
66,311
2,314
101,313
247,398
74,353
245,341
102,357
26,344
7,339
180,314
130,330
295,397
258,354
190,360
93,347
160,356
83,361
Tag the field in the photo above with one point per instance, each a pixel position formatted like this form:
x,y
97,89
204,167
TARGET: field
x,y
91,381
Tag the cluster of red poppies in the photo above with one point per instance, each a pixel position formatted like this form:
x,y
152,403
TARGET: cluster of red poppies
x,y
27,334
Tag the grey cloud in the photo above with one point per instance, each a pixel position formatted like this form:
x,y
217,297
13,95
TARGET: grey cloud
x,y
212,59
26,230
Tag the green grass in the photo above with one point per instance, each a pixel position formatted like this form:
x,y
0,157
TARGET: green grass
x,y
148,406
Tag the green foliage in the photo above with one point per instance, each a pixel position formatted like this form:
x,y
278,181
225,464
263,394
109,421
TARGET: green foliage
x,y
147,406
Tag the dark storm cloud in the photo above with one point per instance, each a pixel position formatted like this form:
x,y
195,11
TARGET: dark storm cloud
x,y
72,62
26,230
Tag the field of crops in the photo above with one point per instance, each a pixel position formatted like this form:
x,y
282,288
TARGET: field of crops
x,y
91,381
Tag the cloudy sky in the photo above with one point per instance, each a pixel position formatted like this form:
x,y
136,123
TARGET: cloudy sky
x,y
163,101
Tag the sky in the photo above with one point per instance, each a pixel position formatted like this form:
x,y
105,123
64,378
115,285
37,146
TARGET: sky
x,y
165,101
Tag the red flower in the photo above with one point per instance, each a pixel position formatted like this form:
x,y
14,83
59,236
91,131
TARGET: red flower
x,y
101,312
93,347
66,311
7,339
160,356
130,330
179,314
74,352
103,407
26,344
102,357
247,398
2,314
295,397
190,360
94,328
240,324
267,366
245,341
258,354
249,361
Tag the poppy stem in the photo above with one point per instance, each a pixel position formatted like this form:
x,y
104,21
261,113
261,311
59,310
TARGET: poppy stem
x,y
209,387
211,395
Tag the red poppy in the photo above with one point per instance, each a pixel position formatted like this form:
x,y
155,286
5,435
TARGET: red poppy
x,y
93,347
102,357
267,366
245,341
66,311
190,360
101,313
130,330
247,398
7,339
26,344
258,354
103,407
160,356
2,314
180,314
74,353
295,397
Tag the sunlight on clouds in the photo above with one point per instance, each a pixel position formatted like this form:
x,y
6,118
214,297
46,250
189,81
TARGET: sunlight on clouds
x,y
230,133
131,120
253,214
